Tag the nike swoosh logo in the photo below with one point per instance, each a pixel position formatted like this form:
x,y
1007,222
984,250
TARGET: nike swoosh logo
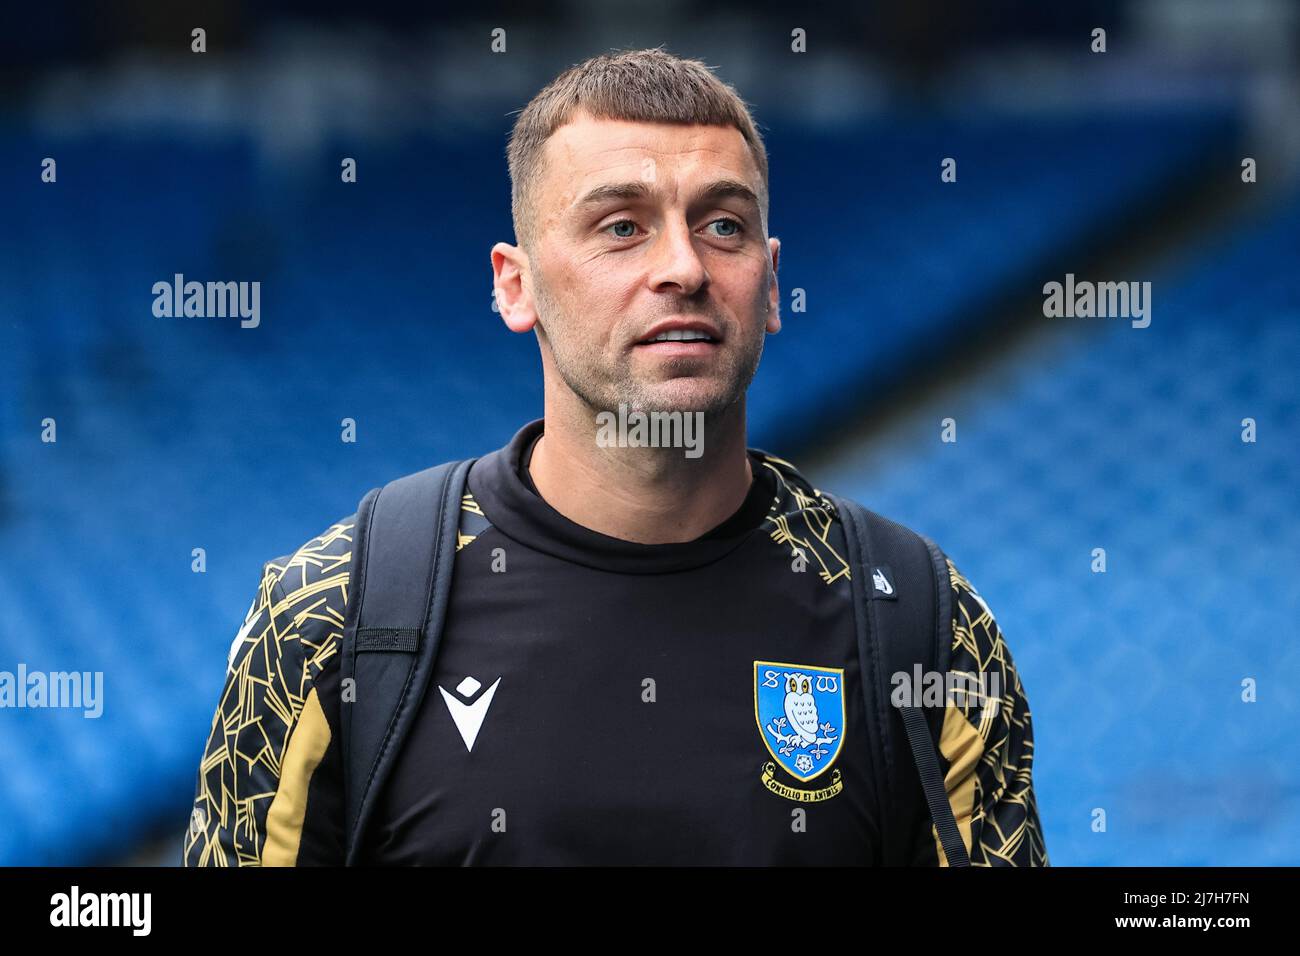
x,y
469,717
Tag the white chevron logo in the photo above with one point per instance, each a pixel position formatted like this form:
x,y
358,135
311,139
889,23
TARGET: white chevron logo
x,y
469,717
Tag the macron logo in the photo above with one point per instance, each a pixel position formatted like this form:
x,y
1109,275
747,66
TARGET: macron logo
x,y
469,717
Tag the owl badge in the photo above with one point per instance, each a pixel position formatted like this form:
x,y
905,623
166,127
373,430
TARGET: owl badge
x,y
800,713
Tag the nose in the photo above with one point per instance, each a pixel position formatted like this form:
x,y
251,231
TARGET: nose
x,y
676,261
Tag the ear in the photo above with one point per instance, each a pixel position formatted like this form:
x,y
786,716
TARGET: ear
x,y
774,292
514,298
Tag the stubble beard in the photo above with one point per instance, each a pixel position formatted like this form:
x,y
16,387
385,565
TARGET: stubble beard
x,y
602,387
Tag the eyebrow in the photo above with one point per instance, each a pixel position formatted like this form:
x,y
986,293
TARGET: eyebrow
x,y
624,192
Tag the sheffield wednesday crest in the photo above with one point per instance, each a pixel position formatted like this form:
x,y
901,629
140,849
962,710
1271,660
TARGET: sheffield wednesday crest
x,y
801,716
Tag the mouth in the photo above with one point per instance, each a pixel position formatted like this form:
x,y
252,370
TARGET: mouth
x,y
695,340
678,346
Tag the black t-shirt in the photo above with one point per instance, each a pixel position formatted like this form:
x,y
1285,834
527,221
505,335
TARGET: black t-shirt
x,y
594,699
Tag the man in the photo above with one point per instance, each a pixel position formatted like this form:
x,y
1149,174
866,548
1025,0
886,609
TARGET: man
x,y
649,654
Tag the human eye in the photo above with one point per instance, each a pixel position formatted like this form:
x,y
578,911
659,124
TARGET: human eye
x,y
733,227
620,232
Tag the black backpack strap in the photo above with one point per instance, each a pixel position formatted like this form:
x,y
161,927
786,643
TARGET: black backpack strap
x,y
402,557
903,610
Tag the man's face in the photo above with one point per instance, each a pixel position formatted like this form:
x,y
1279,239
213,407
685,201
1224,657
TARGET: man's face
x,y
638,224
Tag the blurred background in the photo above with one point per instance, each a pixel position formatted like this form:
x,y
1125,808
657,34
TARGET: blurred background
x,y
924,302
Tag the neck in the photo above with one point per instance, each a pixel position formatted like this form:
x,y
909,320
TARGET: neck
x,y
643,494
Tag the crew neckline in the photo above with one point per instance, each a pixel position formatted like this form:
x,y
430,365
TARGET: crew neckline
x,y
505,493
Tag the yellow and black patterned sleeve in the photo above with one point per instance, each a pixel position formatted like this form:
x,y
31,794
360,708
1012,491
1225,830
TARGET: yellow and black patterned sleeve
x,y
269,783
987,742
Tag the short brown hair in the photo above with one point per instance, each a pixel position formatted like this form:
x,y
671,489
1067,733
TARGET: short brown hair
x,y
649,85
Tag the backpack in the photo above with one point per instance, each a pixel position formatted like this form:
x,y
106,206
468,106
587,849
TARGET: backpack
x,y
403,550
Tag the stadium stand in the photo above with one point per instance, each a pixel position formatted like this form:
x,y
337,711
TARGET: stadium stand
x,y
178,433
